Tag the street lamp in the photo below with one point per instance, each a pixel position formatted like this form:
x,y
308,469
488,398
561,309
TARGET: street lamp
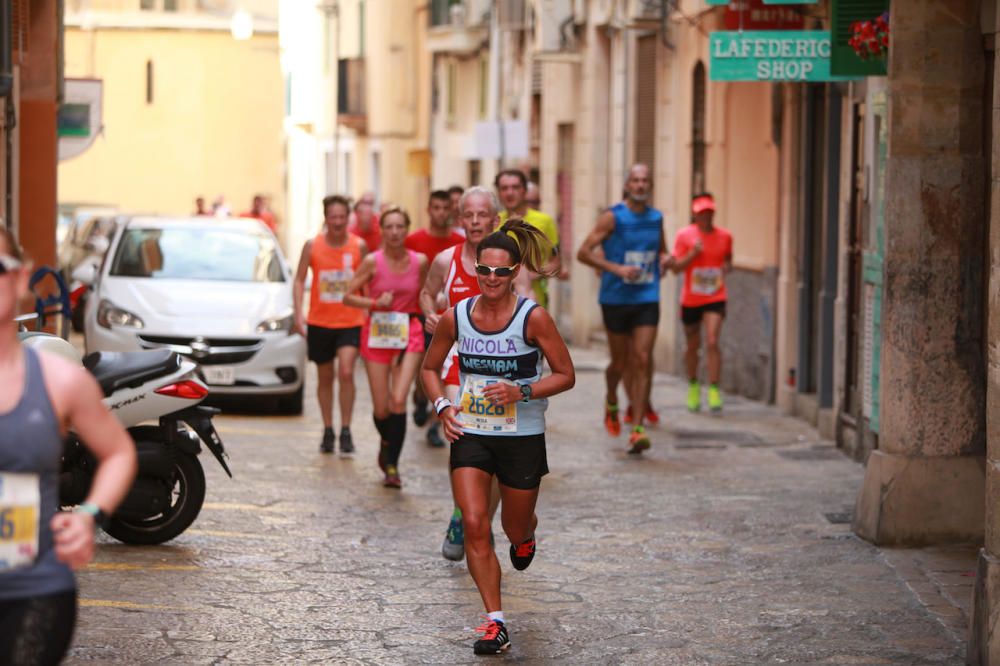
x,y
241,25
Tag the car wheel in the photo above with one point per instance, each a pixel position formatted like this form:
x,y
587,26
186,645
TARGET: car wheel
x,y
291,404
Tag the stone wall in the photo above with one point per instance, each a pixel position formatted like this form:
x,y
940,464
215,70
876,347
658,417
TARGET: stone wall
x,y
747,335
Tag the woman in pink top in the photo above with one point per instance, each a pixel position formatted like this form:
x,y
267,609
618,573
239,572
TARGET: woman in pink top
x,y
392,339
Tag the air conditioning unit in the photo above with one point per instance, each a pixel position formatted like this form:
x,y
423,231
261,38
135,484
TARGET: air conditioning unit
x,y
512,14
645,13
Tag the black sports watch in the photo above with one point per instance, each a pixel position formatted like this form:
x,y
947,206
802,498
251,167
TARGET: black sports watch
x,y
93,510
525,392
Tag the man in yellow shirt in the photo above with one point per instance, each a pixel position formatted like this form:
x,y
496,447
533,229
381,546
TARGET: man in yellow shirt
x,y
512,188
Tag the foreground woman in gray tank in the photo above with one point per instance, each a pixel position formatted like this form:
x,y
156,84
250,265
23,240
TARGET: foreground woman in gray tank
x,y
44,397
498,427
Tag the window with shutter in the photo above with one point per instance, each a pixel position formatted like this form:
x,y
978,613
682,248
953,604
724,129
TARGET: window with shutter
x,y
645,101
843,60
698,129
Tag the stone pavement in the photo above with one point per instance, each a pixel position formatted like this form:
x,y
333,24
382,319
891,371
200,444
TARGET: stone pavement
x,y
725,544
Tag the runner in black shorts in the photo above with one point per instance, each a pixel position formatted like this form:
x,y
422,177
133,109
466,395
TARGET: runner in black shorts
x,y
498,427
334,329
324,343
628,246
692,316
704,252
624,318
45,397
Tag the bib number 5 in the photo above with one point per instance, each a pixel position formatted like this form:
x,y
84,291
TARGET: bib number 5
x,y
20,499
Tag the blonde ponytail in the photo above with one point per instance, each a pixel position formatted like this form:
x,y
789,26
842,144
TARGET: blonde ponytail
x,y
526,244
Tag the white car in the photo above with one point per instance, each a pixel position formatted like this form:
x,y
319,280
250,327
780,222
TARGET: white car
x,y
217,291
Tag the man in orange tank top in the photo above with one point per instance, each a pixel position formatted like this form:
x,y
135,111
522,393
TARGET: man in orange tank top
x,y
334,329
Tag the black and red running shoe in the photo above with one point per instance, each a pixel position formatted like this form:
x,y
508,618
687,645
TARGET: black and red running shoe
x,y
521,555
494,640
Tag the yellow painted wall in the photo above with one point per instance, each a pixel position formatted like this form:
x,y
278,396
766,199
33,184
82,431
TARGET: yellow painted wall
x,y
214,125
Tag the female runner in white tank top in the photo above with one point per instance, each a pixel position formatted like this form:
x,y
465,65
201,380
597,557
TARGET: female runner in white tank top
x,y
498,426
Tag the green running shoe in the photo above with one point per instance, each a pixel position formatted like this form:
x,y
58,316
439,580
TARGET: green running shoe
x,y
694,396
714,398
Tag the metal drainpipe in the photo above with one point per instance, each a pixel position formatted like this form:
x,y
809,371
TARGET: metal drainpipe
x,y
626,103
6,93
6,68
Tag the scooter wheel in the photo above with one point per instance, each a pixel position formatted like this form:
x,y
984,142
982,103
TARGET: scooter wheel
x,y
187,496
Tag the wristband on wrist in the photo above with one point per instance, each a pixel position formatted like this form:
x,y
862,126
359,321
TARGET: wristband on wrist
x,y
441,404
93,510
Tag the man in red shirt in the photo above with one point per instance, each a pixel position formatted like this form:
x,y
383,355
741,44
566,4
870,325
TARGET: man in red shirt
x,y
258,210
364,222
438,236
705,253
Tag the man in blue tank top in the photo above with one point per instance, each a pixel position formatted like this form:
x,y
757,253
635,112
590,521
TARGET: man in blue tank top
x,y
635,258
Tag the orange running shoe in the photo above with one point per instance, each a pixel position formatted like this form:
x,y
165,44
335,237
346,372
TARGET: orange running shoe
x,y
638,441
611,422
652,418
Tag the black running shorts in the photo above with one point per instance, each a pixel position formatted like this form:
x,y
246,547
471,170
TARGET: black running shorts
x,y
623,318
37,630
518,461
323,343
693,316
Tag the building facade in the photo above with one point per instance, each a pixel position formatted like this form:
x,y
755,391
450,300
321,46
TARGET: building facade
x,y
357,117
190,105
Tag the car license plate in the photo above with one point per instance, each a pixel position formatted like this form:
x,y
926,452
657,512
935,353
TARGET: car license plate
x,y
219,374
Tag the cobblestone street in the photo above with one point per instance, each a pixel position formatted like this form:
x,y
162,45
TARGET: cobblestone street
x,y
727,543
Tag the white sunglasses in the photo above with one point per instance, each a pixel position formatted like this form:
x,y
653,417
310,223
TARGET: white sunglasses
x,y
8,264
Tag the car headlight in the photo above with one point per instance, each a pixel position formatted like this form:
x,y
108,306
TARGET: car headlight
x,y
275,324
109,314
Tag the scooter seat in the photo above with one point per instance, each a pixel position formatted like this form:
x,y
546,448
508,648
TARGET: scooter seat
x,y
118,370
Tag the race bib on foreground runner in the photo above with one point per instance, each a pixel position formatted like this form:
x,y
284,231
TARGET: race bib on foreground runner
x,y
389,330
706,281
646,262
479,414
20,499
333,285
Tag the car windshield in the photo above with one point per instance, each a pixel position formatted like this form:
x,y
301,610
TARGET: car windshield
x,y
197,253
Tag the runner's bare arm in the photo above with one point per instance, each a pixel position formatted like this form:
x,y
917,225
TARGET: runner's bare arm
x,y
364,275
299,286
522,283
683,256
666,259
589,256
433,284
77,399
430,373
423,266
727,263
542,333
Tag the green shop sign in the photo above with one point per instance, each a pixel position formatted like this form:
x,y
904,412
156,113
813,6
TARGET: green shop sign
x,y
771,55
